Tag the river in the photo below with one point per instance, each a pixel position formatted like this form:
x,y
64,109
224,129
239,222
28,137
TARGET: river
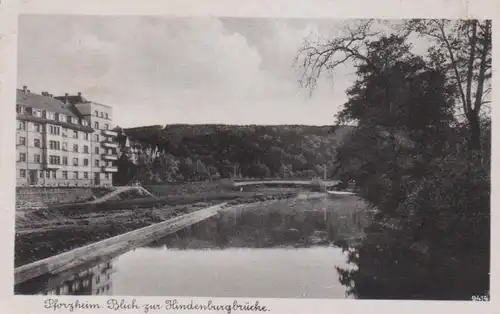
x,y
280,250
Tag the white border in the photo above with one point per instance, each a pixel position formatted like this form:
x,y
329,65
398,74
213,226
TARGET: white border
x,y
9,10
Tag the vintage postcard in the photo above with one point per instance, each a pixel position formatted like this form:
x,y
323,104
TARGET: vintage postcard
x,y
231,160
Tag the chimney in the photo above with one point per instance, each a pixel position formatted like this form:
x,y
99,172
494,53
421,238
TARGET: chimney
x,y
79,94
25,89
66,98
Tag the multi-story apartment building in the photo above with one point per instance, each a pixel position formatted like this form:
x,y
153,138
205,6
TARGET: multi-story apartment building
x,y
63,141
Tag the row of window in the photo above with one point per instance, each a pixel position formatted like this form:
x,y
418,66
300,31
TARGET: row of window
x,y
52,174
56,130
51,115
76,287
56,145
58,160
103,115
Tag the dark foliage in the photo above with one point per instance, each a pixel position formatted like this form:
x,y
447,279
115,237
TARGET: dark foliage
x,y
409,159
204,152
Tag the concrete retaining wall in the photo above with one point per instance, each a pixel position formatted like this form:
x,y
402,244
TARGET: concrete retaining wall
x,y
113,246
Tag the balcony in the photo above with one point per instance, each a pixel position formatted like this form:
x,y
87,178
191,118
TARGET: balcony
x,y
110,144
109,157
110,169
109,133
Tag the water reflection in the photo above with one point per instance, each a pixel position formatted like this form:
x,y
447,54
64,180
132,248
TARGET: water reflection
x,y
291,223
272,249
96,280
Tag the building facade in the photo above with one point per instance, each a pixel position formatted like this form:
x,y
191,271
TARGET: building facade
x,y
63,141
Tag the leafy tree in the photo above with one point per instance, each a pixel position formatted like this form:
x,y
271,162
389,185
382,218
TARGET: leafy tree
x,y
402,157
260,171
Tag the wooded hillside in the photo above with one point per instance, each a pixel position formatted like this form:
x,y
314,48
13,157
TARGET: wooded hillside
x,y
198,152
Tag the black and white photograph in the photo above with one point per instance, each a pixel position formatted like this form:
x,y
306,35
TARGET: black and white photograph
x,y
253,157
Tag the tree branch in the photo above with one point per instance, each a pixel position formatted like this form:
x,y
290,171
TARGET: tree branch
x,y
316,57
483,67
454,65
472,44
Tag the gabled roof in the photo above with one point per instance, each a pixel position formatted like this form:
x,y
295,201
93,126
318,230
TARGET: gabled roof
x,y
42,102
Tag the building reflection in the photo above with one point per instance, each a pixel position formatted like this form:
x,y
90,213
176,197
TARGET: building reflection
x,y
96,280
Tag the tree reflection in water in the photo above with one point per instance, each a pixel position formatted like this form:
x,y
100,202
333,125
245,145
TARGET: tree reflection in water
x,y
298,223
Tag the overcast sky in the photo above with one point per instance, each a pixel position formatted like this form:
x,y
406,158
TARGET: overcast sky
x,y
156,70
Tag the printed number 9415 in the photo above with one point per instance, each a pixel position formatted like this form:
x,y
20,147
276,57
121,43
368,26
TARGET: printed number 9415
x,y
480,298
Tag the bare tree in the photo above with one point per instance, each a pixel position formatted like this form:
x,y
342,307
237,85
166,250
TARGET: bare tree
x,y
316,56
463,49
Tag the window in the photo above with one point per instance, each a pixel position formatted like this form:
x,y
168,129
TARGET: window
x,y
22,173
85,149
49,115
97,150
37,158
19,109
65,174
75,134
107,117
21,125
37,113
65,160
65,146
75,161
68,119
36,142
55,145
54,160
106,126
96,137
85,162
106,176
96,113
41,174
75,148
86,136
65,132
47,174
22,141
75,175
37,128
22,156
85,175
102,114
96,125
97,162
55,130
54,176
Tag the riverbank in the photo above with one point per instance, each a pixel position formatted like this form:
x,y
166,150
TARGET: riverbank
x,y
47,232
